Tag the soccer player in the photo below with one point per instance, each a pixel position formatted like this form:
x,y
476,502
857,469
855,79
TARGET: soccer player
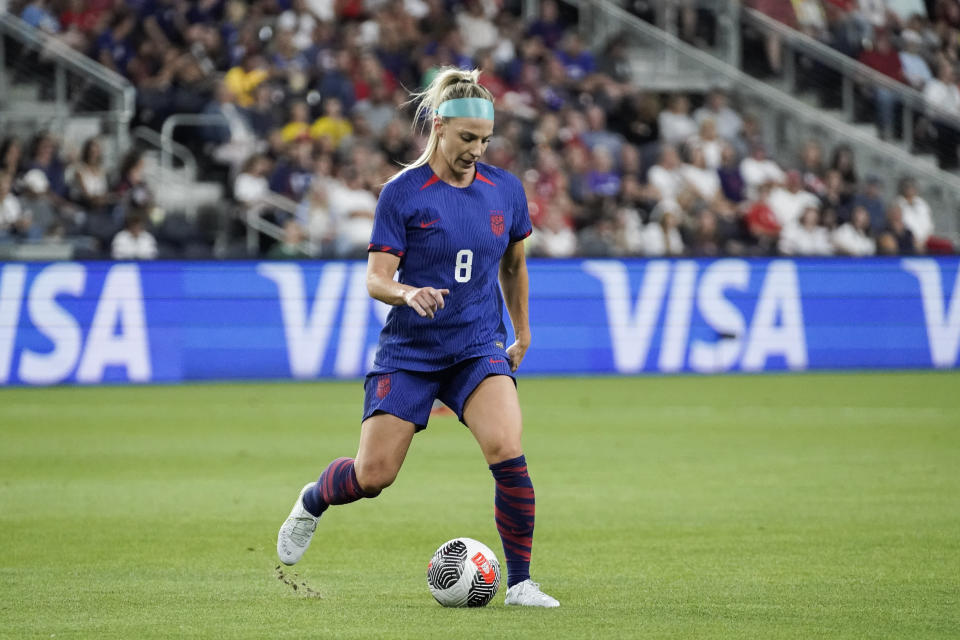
x,y
452,226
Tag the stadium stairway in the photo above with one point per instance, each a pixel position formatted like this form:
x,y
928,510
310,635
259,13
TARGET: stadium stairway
x,y
661,61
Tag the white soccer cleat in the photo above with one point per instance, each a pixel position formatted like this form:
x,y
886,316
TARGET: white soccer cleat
x,y
528,594
296,532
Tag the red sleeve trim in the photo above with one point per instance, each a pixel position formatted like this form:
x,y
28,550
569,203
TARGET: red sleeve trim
x,y
382,248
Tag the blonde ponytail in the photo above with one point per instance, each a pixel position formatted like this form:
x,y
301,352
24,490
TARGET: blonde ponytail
x,y
450,83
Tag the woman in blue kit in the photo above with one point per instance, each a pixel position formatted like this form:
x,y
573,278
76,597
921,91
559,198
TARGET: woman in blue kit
x,y
453,229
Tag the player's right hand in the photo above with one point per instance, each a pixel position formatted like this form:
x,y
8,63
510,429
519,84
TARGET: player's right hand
x,y
426,301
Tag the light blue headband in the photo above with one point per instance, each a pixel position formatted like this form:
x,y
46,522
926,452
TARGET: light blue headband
x,y
466,108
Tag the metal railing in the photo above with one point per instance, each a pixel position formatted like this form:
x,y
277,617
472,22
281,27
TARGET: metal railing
x,y
851,71
787,119
73,75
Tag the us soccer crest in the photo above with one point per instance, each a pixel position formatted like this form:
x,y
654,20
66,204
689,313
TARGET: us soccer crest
x,y
383,386
496,223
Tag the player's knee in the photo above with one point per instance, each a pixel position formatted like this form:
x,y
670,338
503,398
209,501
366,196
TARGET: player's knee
x,y
374,478
503,450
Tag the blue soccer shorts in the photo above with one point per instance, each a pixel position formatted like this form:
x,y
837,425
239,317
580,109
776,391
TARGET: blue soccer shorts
x,y
409,395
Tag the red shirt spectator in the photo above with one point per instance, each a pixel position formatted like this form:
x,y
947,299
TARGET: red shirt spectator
x,y
884,58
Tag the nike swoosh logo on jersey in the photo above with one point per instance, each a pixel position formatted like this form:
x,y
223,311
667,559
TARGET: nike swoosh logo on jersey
x,y
424,225
492,361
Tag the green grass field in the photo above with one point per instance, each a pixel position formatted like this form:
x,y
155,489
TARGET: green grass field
x,y
809,506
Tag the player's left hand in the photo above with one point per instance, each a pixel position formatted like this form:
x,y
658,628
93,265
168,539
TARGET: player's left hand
x,y
515,353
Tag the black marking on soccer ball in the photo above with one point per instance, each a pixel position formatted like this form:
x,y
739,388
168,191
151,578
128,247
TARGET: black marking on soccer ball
x,y
481,592
447,565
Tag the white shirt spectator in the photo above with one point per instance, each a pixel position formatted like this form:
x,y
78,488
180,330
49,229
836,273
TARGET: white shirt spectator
x,y
904,9
943,95
323,10
705,182
127,246
669,183
875,12
301,24
555,243
10,211
729,123
250,189
917,218
676,128
788,206
712,150
847,240
658,243
757,172
797,240
915,68
352,210
478,32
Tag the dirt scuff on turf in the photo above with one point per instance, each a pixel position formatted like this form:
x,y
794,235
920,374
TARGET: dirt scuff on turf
x,y
293,580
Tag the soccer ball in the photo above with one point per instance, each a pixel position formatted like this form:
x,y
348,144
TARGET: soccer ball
x,y
463,573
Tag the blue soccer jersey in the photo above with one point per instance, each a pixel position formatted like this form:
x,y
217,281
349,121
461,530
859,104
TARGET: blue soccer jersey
x,y
448,238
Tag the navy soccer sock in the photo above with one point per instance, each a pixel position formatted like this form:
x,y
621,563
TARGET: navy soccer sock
x,y
337,485
515,507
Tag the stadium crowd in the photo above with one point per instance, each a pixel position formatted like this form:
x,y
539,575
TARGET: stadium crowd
x,y
312,96
914,42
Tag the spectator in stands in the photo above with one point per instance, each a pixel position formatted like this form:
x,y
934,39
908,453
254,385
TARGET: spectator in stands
x,y
554,236
701,180
241,80
835,200
853,238
578,62
845,162
11,154
377,109
870,197
705,239
811,167
332,126
251,187
233,141
134,242
134,192
12,220
791,200
758,169
731,180
292,247
896,233
915,67
805,236
666,177
884,58
761,222
728,122
548,26
113,47
352,207
603,180
676,125
915,211
39,213
710,143
943,96
597,133
661,237
476,27
88,183
298,125
38,15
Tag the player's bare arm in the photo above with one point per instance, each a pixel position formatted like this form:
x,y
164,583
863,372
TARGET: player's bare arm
x,y
515,284
381,267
